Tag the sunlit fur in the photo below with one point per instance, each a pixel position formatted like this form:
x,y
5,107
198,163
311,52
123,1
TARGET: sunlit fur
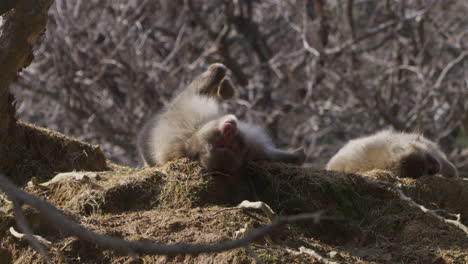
x,y
189,126
182,118
406,153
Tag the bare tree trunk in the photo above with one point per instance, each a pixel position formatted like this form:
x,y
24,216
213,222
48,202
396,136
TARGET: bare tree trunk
x,y
23,24
26,150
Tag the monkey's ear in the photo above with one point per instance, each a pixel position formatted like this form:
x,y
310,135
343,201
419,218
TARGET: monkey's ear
x,y
225,89
433,165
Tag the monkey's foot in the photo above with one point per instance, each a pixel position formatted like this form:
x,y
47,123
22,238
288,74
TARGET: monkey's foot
x,y
208,82
225,90
300,156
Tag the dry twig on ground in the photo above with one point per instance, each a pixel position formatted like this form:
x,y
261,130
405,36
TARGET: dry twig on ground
x,y
457,223
132,248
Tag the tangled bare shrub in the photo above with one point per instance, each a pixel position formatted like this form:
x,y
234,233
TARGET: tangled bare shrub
x,y
317,72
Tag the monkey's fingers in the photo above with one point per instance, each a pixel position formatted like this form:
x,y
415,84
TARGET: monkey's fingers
x,y
225,90
208,82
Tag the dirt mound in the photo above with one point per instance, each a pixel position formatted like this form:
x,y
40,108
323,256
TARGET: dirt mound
x,y
180,202
42,152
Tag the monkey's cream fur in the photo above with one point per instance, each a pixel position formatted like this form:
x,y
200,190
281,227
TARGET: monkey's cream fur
x,y
190,115
194,126
410,154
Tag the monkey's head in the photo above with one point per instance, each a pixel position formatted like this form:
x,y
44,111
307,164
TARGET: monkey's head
x,y
419,161
218,145
417,164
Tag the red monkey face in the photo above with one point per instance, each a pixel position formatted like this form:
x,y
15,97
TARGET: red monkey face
x,y
218,145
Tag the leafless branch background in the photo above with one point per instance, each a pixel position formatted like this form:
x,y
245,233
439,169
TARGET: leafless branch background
x,y
317,73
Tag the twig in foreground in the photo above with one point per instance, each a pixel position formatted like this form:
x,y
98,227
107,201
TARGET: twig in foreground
x,y
411,202
22,236
26,229
311,252
57,219
254,205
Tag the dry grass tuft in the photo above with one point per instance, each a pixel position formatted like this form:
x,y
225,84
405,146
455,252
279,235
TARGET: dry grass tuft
x,y
181,202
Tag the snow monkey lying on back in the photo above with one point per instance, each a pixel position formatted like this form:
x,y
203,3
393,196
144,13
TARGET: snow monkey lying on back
x,y
406,154
194,126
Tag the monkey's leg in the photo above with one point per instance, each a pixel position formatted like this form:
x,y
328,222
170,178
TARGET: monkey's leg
x,y
213,82
143,144
296,157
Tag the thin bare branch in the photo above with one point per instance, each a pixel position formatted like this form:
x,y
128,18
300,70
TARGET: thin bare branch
x,y
253,205
373,31
19,235
26,229
350,13
457,223
57,219
449,67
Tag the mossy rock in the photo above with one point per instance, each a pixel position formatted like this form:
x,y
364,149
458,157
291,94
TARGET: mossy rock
x,y
39,152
